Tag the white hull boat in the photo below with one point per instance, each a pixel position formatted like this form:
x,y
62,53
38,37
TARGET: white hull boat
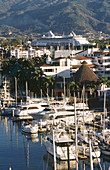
x,y
85,150
29,128
61,142
28,109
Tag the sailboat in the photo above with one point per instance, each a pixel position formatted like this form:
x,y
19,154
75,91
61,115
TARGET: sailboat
x,y
104,137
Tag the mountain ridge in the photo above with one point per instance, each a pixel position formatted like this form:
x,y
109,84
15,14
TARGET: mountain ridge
x,y
61,16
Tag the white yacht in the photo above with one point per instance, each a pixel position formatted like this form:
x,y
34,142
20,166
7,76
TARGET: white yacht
x,y
28,109
82,110
29,128
85,116
84,149
55,118
83,143
61,140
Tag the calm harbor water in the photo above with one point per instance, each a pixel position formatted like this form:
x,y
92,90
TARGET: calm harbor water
x,y
21,152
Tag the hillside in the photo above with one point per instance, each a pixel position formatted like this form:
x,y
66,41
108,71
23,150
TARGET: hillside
x,y
60,16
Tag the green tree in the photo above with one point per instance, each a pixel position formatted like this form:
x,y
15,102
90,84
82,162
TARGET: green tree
x,y
50,83
104,80
75,87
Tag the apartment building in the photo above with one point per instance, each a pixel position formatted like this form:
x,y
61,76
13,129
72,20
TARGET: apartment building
x,y
31,52
101,60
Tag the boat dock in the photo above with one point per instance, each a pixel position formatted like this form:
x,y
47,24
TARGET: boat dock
x,y
17,119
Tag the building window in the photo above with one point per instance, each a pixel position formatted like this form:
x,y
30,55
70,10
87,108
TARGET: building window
x,y
48,70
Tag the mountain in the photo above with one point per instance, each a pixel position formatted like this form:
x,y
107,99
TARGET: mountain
x,y
60,16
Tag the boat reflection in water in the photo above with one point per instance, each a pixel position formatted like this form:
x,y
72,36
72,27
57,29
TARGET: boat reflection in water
x,y
33,137
29,137
60,165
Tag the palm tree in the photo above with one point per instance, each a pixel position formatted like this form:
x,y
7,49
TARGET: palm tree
x,y
104,80
72,87
49,83
75,87
37,79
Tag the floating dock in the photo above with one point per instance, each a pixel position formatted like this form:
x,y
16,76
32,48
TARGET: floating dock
x,y
17,119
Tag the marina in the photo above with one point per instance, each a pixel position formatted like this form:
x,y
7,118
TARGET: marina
x,y
47,133
20,150
54,85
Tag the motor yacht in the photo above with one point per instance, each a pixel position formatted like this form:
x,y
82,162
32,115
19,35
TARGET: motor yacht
x,y
62,140
28,109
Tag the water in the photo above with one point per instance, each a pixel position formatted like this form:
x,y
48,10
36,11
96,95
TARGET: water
x,y
20,152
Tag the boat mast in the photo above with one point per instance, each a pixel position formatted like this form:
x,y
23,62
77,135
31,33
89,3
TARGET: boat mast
x,y
76,133
104,113
41,93
16,89
83,103
26,91
90,150
54,152
64,91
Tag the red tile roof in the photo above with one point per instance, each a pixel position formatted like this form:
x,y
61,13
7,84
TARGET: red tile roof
x,y
46,65
82,58
77,66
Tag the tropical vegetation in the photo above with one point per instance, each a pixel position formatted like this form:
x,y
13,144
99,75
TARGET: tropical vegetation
x,y
90,88
25,71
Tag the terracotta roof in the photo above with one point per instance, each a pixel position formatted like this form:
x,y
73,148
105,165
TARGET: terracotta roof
x,y
75,66
101,52
82,58
89,65
46,65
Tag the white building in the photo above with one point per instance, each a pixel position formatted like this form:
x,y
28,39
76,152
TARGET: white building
x,y
101,59
59,67
19,52
62,42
